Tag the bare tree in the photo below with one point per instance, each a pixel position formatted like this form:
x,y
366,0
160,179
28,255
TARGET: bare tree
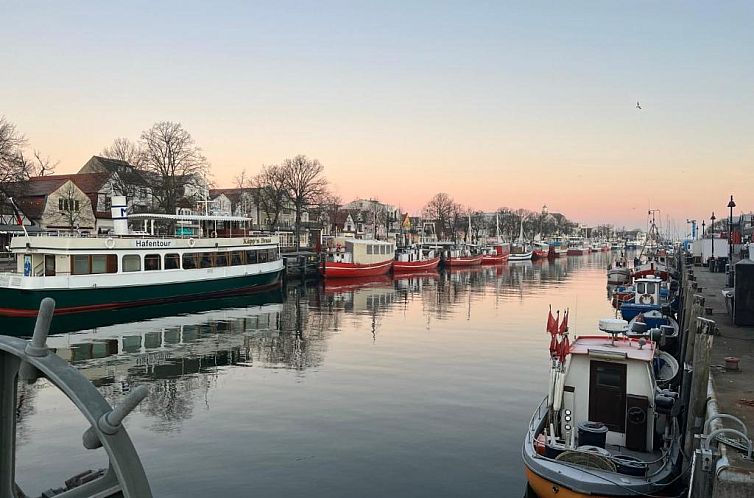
x,y
305,183
15,167
128,180
125,150
69,205
440,209
329,206
271,192
172,162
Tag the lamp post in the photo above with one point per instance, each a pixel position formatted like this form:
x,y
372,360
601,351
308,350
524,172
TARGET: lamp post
x,y
731,205
712,229
702,228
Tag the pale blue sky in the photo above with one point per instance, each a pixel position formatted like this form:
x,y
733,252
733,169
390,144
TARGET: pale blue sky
x,y
496,103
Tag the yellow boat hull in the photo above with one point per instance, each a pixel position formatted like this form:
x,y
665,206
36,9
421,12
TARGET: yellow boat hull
x,y
548,489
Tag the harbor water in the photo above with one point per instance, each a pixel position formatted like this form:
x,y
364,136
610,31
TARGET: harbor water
x,y
414,386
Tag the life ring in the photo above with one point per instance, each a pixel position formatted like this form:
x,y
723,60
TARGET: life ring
x,y
647,299
191,242
213,234
110,243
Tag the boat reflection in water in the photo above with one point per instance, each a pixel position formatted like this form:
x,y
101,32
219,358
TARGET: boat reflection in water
x,y
324,382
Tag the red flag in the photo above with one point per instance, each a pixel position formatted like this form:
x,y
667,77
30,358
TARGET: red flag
x,y
552,325
19,220
563,348
564,324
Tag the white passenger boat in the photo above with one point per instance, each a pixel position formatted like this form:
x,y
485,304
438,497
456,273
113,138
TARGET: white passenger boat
x,y
127,269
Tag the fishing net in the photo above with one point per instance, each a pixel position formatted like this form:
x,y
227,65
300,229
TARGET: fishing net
x,y
587,459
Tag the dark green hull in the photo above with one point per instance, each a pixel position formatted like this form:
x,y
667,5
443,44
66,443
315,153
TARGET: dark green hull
x,y
24,303
95,319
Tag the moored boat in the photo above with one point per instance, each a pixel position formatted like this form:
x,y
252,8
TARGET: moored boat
x,y
126,269
605,428
540,250
496,254
353,258
461,256
415,259
577,246
647,297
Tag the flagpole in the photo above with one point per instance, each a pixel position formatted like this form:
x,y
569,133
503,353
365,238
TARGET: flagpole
x,y
18,218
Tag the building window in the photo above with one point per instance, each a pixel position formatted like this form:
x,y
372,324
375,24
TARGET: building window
x,y
369,249
172,261
68,205
131,262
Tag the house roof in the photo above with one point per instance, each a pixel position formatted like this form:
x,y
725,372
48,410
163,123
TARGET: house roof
x,y
233,194
105,164
89,183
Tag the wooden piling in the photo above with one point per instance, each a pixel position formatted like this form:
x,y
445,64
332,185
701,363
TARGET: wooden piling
x,y
704,330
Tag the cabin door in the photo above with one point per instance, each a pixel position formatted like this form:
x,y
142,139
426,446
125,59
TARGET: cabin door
x,y
607,394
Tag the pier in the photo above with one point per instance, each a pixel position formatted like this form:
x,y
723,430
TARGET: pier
x,y
721,468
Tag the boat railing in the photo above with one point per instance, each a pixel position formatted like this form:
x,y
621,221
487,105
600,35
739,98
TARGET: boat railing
x,y
538,415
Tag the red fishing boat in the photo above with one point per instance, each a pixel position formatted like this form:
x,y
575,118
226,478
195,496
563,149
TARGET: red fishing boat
x,y
415,259
496,254
351,258
463,255
540,250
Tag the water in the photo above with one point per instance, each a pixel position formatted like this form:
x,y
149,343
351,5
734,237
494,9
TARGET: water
x,y
419,386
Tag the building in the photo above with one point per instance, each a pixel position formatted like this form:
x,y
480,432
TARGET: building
x,y
63,202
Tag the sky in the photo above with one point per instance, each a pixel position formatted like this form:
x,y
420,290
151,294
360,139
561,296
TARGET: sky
x,y
517,104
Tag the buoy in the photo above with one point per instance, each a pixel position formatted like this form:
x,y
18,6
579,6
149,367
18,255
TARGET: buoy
x,y
110,243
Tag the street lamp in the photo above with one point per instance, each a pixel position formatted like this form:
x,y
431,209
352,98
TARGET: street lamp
x,y
731,205
712,228
702,228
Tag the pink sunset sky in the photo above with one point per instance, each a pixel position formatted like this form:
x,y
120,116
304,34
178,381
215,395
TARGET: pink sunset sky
x,y
496,105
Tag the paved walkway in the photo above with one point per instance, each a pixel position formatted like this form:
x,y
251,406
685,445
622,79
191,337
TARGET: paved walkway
x,y
735,390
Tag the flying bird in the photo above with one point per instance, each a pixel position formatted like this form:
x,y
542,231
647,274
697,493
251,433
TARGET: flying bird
x,y
637,105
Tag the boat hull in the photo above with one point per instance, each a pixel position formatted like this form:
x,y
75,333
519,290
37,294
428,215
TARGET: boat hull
x,y
415,266
464,261
549,477
539,254
25,302
352,270
520,257
494,259
577,251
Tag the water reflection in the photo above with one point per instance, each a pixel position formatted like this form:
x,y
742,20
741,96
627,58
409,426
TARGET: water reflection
x,y
385,349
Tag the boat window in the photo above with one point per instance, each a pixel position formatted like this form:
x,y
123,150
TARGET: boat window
x,y
172,261
205,260
189,261
221,259
262,256
131,262
369,248
650,288
81,265
104,263
152,262
236,258
49,265
251,257
640,288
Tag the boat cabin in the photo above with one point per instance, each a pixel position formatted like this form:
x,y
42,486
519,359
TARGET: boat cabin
x,y
647,291
360,251
611,382
414,253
